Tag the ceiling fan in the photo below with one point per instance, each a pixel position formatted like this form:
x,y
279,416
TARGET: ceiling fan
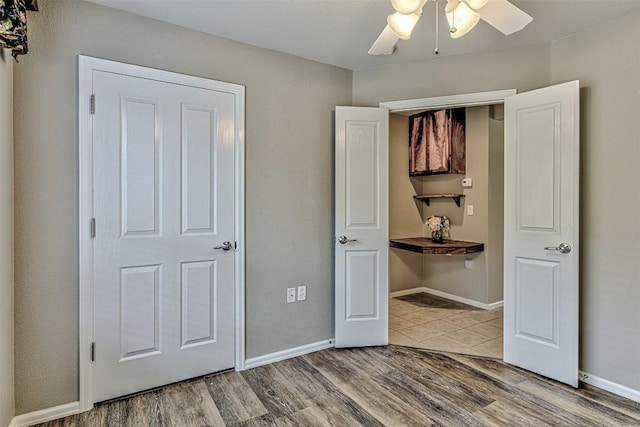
x,y
462,16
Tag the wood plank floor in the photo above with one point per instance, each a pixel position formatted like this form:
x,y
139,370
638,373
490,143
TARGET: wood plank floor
x,y
378,386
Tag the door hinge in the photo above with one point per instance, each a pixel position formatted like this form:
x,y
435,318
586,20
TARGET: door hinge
x,y
92,103
93,227
93,352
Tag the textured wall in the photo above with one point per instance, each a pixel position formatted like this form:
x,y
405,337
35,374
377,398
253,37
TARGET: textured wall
x,y
6,237
606,60
289,182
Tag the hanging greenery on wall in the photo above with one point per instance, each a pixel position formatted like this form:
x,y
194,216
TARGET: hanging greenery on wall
x,y
13,25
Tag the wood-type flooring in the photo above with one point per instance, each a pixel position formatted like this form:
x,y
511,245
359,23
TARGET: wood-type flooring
x,y
377,386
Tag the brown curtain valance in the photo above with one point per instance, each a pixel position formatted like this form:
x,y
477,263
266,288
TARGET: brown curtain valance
x,y
13,24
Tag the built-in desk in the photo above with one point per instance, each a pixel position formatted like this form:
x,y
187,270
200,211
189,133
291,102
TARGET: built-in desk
x,y
424,245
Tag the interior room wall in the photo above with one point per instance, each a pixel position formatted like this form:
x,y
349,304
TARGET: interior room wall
x,y
405,219
289,182
448,273
523,69
495,203
606,60
6,237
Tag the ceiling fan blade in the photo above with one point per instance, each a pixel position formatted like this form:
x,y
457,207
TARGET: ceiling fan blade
x,y
385,43
504,16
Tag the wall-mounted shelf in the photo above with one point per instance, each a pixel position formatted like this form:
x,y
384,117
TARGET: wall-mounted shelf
x,y
427,197
424,245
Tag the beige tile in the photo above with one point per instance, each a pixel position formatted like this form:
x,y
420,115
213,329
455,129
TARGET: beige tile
x,y
403,308
440,313
463,320
421,332
398,338
442,326
398,323
467,337
492,348
486,315
419,317
498,323
487,330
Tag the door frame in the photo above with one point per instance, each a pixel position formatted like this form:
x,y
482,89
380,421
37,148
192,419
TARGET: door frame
x,y
453,101
86,66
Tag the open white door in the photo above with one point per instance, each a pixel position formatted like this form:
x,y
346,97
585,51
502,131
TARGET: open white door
x,y
361,226
541,231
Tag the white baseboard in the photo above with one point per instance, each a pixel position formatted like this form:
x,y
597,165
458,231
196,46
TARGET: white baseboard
x,y
607,385
451,297
44,415
254,362
406,292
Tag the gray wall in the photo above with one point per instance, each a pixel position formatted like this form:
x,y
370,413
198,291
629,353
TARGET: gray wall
x,y
606,60
6,237
495,204
525,68
289,182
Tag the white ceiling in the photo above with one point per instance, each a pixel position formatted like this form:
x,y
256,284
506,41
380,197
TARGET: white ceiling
x,y
340,32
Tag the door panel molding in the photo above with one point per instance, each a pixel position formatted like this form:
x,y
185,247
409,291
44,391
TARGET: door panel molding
x,y
86,67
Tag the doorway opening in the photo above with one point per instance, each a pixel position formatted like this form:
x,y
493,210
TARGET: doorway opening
x,y
449,302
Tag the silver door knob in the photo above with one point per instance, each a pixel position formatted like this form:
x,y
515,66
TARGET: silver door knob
x,y
563,248
226,246
344,239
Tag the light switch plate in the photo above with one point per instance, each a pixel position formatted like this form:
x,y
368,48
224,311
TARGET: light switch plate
x,y
469,209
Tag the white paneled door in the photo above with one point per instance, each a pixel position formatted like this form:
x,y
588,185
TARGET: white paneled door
x,y
163,164
541,231
361,226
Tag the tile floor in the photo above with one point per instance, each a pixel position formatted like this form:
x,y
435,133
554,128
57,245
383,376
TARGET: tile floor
x,y
426,321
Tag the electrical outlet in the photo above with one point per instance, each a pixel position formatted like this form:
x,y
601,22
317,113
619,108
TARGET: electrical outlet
x,y
469,209
467,183
468,263
302,293
291,295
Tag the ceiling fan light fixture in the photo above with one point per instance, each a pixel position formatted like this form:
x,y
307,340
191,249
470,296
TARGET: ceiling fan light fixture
x,y
461,18
406,7
476,4
402,25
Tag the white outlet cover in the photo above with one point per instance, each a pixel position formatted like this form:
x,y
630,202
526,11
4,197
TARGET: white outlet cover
x,y
291,295
302,293
469,209
467,182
